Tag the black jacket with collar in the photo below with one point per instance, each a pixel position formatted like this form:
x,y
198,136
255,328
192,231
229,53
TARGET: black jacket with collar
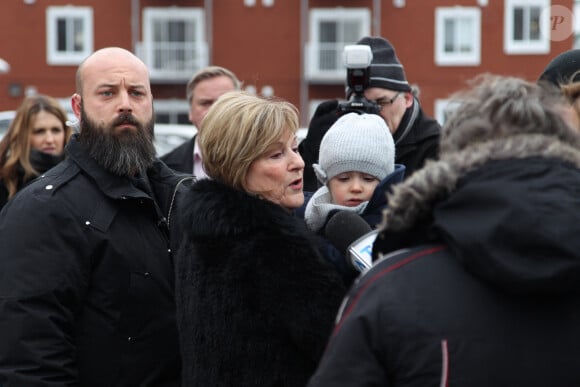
x,y
181,158
255,300
86,279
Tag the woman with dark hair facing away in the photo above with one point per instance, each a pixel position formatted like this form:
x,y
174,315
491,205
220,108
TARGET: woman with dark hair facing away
x,y
255,300
33,144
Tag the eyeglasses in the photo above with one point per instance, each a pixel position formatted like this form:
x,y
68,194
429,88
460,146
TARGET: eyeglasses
x,y
387,102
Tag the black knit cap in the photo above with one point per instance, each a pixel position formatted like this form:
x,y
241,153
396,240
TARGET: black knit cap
x,y
386,71
563,69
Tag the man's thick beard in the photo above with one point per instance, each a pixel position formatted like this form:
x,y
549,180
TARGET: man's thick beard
x,y
124,154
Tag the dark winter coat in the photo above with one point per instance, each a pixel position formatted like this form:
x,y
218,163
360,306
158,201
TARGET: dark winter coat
x,y
40,161
416,139
255,300
181,158
325,115
486,288
87,281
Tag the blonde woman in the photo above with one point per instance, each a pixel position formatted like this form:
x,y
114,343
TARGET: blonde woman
x,y
255,300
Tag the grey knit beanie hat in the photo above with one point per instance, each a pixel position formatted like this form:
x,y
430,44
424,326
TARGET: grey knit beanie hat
x,y
356,142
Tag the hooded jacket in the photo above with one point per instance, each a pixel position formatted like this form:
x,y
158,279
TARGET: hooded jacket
x,y
479,276
255,300
86,279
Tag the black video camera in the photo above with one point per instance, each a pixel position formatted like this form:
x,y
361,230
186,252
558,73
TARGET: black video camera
x,y
357,59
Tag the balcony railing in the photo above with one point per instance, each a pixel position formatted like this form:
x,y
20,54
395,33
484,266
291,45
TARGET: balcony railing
x,y
324,62
173,61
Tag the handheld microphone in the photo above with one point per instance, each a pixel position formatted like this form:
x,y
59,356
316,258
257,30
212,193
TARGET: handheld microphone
x,y
353,237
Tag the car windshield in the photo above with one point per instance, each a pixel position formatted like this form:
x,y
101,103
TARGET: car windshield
x,y
167,136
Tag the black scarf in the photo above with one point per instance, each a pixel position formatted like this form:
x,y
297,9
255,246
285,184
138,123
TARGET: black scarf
x,y
40,162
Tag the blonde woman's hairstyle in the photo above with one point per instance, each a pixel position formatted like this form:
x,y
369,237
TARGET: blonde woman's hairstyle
x,y
15,145
238,129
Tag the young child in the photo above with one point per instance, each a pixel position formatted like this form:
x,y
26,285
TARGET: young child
x,y
356,169
356,155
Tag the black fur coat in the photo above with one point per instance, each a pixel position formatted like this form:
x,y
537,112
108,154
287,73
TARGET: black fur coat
x,y
255,301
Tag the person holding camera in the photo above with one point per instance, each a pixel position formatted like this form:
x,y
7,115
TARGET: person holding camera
x,y
416,135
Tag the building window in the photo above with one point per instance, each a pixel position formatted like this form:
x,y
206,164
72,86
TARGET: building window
x,y
330,30
173,44
444,108
576,24
457,36
69,34
527,30
171,111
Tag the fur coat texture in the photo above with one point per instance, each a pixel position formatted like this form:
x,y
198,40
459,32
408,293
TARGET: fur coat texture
x,y
256,302
479,272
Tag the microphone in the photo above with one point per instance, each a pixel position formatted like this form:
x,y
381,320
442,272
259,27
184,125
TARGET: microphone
x,y
353,237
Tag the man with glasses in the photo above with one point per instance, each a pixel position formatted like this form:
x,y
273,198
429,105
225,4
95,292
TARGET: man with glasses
x,y
416,135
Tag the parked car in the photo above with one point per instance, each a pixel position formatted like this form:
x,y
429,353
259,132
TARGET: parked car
x,y
167,136
5,118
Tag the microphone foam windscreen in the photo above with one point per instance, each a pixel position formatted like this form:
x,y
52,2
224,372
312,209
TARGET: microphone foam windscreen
x,y
344,228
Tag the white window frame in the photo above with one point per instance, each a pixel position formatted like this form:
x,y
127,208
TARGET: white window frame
x,y
526,46
173,108
338,15
181,71
53,14
576,24
443,108
457,58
